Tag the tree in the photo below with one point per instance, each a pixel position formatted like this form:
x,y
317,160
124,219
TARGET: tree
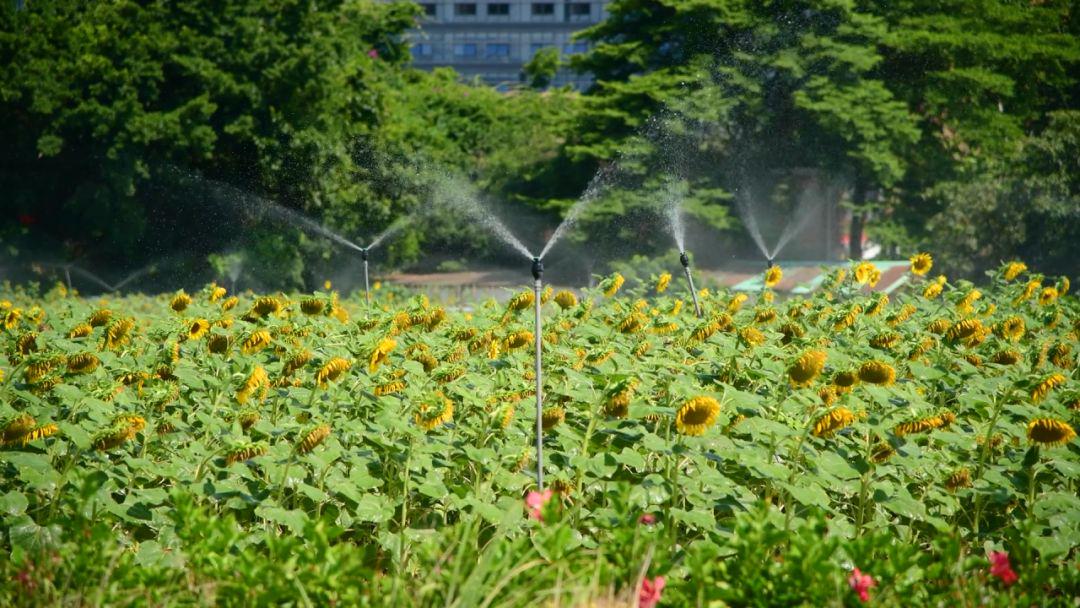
x,y
541,69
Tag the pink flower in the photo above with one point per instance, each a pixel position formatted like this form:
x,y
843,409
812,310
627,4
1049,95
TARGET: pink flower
x,y
647,519
1001,568
861,584
649,594
535,502
374,54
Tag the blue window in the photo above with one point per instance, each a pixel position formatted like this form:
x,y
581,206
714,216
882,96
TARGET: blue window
x,y
572,48
536,47
467,49
498,50
422,50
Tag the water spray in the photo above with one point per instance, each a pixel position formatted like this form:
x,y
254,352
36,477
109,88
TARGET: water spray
x,y
538,285
685,259
367,290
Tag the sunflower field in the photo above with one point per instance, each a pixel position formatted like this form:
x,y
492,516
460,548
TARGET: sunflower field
x,y
850,447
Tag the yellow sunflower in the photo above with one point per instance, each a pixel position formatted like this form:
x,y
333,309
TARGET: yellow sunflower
x,y
697,415
1050,432
773,275
921,264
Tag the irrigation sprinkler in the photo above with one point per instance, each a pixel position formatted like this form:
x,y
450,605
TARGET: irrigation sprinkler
x,y
538,274
367,290
685,259
770,263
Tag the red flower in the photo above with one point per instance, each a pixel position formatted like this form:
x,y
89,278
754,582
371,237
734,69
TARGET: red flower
x,y
647,519
649,594
861,584
1001,568
374,54
535,502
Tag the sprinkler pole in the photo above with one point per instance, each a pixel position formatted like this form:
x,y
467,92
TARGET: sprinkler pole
x,y
367,290
67,276
685,259
538,274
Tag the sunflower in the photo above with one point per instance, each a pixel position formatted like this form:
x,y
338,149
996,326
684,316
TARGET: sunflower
x,y
676,306
807,367
11,318
962,330
256,379
633,323
751,337
885,341
878,305
16,427
99,317
566,299
229,303
248,418
923,425
312,439
1047,296
765,315
845,380
256,341
902,315
697,415
332,370
833,421
389,388
198,329
27,343
1043,388
642,348
82,363
80,331
180,301
663,282
882,452
828,394
736,302
773,275
216,293
519,339
1013,270
611,285
921,264
1006,357
1050,432
960,478
877,372
381,353
706,329
791,331
435,414
521,301
217,344
1011,328
245,452
1061,355
846,320
618,401
312,306
552,417
117,333
932,291
867,274
266,305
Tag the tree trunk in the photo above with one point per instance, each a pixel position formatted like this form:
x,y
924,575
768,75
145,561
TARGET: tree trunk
x,y
858,217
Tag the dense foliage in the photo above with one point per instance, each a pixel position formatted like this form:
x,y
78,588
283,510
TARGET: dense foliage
x,y
238,450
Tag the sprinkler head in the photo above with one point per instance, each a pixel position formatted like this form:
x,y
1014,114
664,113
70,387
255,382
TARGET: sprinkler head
x,y
363,254
770,263
537,268
685,259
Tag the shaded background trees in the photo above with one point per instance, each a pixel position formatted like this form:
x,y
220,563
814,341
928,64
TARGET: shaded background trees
x,y
139,130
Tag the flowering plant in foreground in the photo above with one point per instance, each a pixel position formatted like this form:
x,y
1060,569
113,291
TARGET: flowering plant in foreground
x,y
1001,568
861,583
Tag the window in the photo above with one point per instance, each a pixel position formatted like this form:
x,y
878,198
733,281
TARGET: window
x,y
465,9
543,8
497,50
579,9
571,48
422,49
467,49
536,47
500,8
430,9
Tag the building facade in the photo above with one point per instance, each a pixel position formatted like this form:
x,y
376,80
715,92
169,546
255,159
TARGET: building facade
x,y
494,40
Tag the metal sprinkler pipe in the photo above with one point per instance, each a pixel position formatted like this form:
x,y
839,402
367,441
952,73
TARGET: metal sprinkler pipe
x,y
367,290
770,263
685,259
538,278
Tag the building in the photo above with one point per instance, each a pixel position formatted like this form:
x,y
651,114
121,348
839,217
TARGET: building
x,y
494,40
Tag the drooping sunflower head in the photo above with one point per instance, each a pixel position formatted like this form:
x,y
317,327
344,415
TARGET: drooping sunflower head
x,y
750,336
921,264
773,276
845,379
736,302
519,339
99,317
697,415
217,344
552,417
1043,388
932,291
311,439
663,282
807,367
83,363
1050,432
611,285
256,380
256,341
521,301
215,292
15,427
381,353
180,301
633,323
867,274
831,422
1047,296
1013,270
332,370
566,299
312,306
877,372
